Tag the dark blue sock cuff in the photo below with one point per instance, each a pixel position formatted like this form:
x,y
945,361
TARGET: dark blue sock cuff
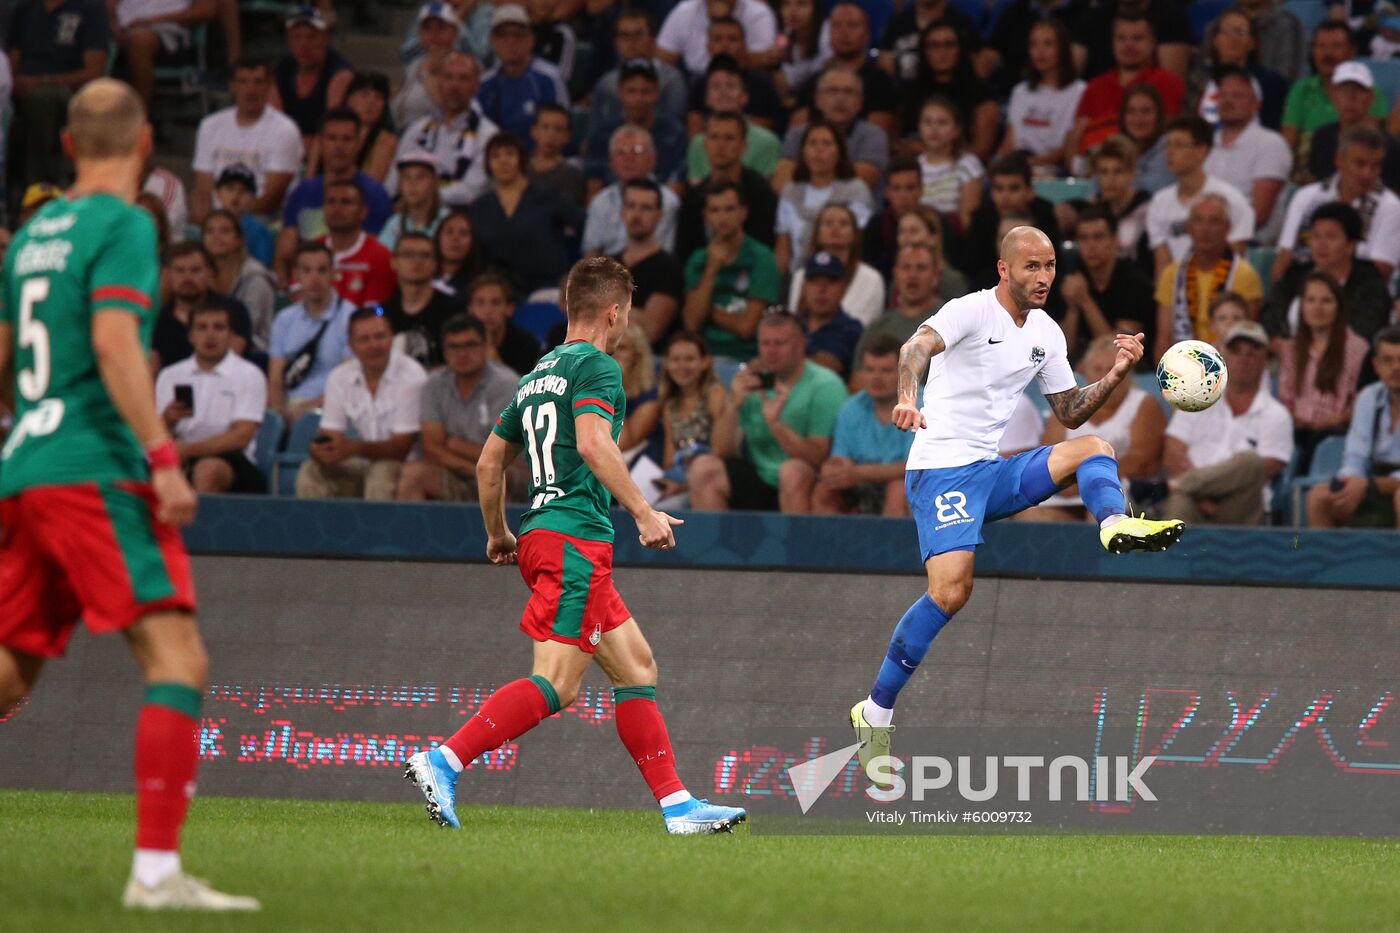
x,y
1100,487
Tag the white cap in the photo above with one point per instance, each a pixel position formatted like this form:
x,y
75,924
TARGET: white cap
x,y
1354,72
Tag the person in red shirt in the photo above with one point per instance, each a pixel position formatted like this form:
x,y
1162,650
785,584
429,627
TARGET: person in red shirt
x,y
1135,51
364,270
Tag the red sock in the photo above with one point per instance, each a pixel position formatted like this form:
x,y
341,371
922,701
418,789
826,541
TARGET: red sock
x,y
511,711
167,755
643,731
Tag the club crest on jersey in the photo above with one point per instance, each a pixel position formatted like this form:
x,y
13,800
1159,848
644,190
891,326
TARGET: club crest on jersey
x,y
1037,354
596,637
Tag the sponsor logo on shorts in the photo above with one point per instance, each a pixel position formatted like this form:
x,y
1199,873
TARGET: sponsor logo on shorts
x,y
597,635
952,509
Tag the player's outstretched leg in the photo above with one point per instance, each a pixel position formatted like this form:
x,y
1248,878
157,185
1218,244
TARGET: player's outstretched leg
x,y
1091,461
950,585
507,714
171,655
627,659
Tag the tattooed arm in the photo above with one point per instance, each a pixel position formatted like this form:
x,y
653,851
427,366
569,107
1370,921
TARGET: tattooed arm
x,y
1074,406
913,368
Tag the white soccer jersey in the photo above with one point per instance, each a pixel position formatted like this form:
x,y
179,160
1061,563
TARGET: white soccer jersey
x,y
974,384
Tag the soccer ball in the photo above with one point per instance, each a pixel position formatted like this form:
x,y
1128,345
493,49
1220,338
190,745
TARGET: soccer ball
x,y
1191,375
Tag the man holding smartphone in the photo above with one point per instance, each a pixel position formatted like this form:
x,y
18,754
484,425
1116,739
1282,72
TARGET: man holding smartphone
x,y
213,403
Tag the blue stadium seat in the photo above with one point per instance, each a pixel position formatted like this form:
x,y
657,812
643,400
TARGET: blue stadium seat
x,y
269,441
538,317
1202,13
1386,71
286,463
1262,259
1310,13
1326,461
1058,190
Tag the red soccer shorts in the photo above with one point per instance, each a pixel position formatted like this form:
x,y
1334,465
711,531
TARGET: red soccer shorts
x,y
90,551
572,596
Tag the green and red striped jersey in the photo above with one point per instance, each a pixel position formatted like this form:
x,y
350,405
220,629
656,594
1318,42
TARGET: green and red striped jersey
x,y
569,381
73,259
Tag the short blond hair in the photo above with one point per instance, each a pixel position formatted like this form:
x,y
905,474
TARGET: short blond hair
x,y
105,119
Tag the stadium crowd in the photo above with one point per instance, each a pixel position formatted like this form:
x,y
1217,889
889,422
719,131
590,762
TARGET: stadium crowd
x,y
796,187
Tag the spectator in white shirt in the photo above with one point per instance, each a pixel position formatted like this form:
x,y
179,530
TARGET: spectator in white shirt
x,y
1041,111
1220,461
251,133
144,28
1188,141
456,133
376,394
632,156
1358,183
684,37
213,403
1255,160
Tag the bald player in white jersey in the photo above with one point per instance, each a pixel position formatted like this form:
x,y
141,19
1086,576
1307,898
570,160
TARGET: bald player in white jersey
x,y
979,353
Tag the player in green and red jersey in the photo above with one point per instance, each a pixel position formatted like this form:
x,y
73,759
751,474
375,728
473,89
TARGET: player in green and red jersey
x,y
567,416
91,489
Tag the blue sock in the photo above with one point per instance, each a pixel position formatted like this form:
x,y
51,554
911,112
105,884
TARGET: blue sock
x,y
1099,487
912,637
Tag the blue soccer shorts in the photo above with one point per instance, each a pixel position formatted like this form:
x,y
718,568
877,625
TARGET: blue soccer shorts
x,y
950,505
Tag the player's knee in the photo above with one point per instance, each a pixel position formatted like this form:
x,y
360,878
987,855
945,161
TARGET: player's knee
x,y
1096,446
566,688
950,595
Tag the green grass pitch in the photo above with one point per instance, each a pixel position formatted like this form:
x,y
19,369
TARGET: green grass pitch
x,y
355,866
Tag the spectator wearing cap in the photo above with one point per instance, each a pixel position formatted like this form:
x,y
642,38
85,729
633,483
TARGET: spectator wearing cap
x,y
252,134
1353,94
724,148
731,280
459,407
639,91
521,81
439,32
368,96
54,49
832,334
1334,232
456,132
1253,160
761,102
631,156
768,442
551,133
144,29
303,216
659,278
1357,181
1209,267
36,196
1366,491
839,99
420,207
216,436
684,37
376,394
312,77
1309,103
634,38
308,337
724,92
521,226
364,271
237,191
1220,461
865,472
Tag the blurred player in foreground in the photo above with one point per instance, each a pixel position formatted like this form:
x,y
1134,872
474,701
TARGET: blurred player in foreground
x,y
91,489
567,416
979,353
